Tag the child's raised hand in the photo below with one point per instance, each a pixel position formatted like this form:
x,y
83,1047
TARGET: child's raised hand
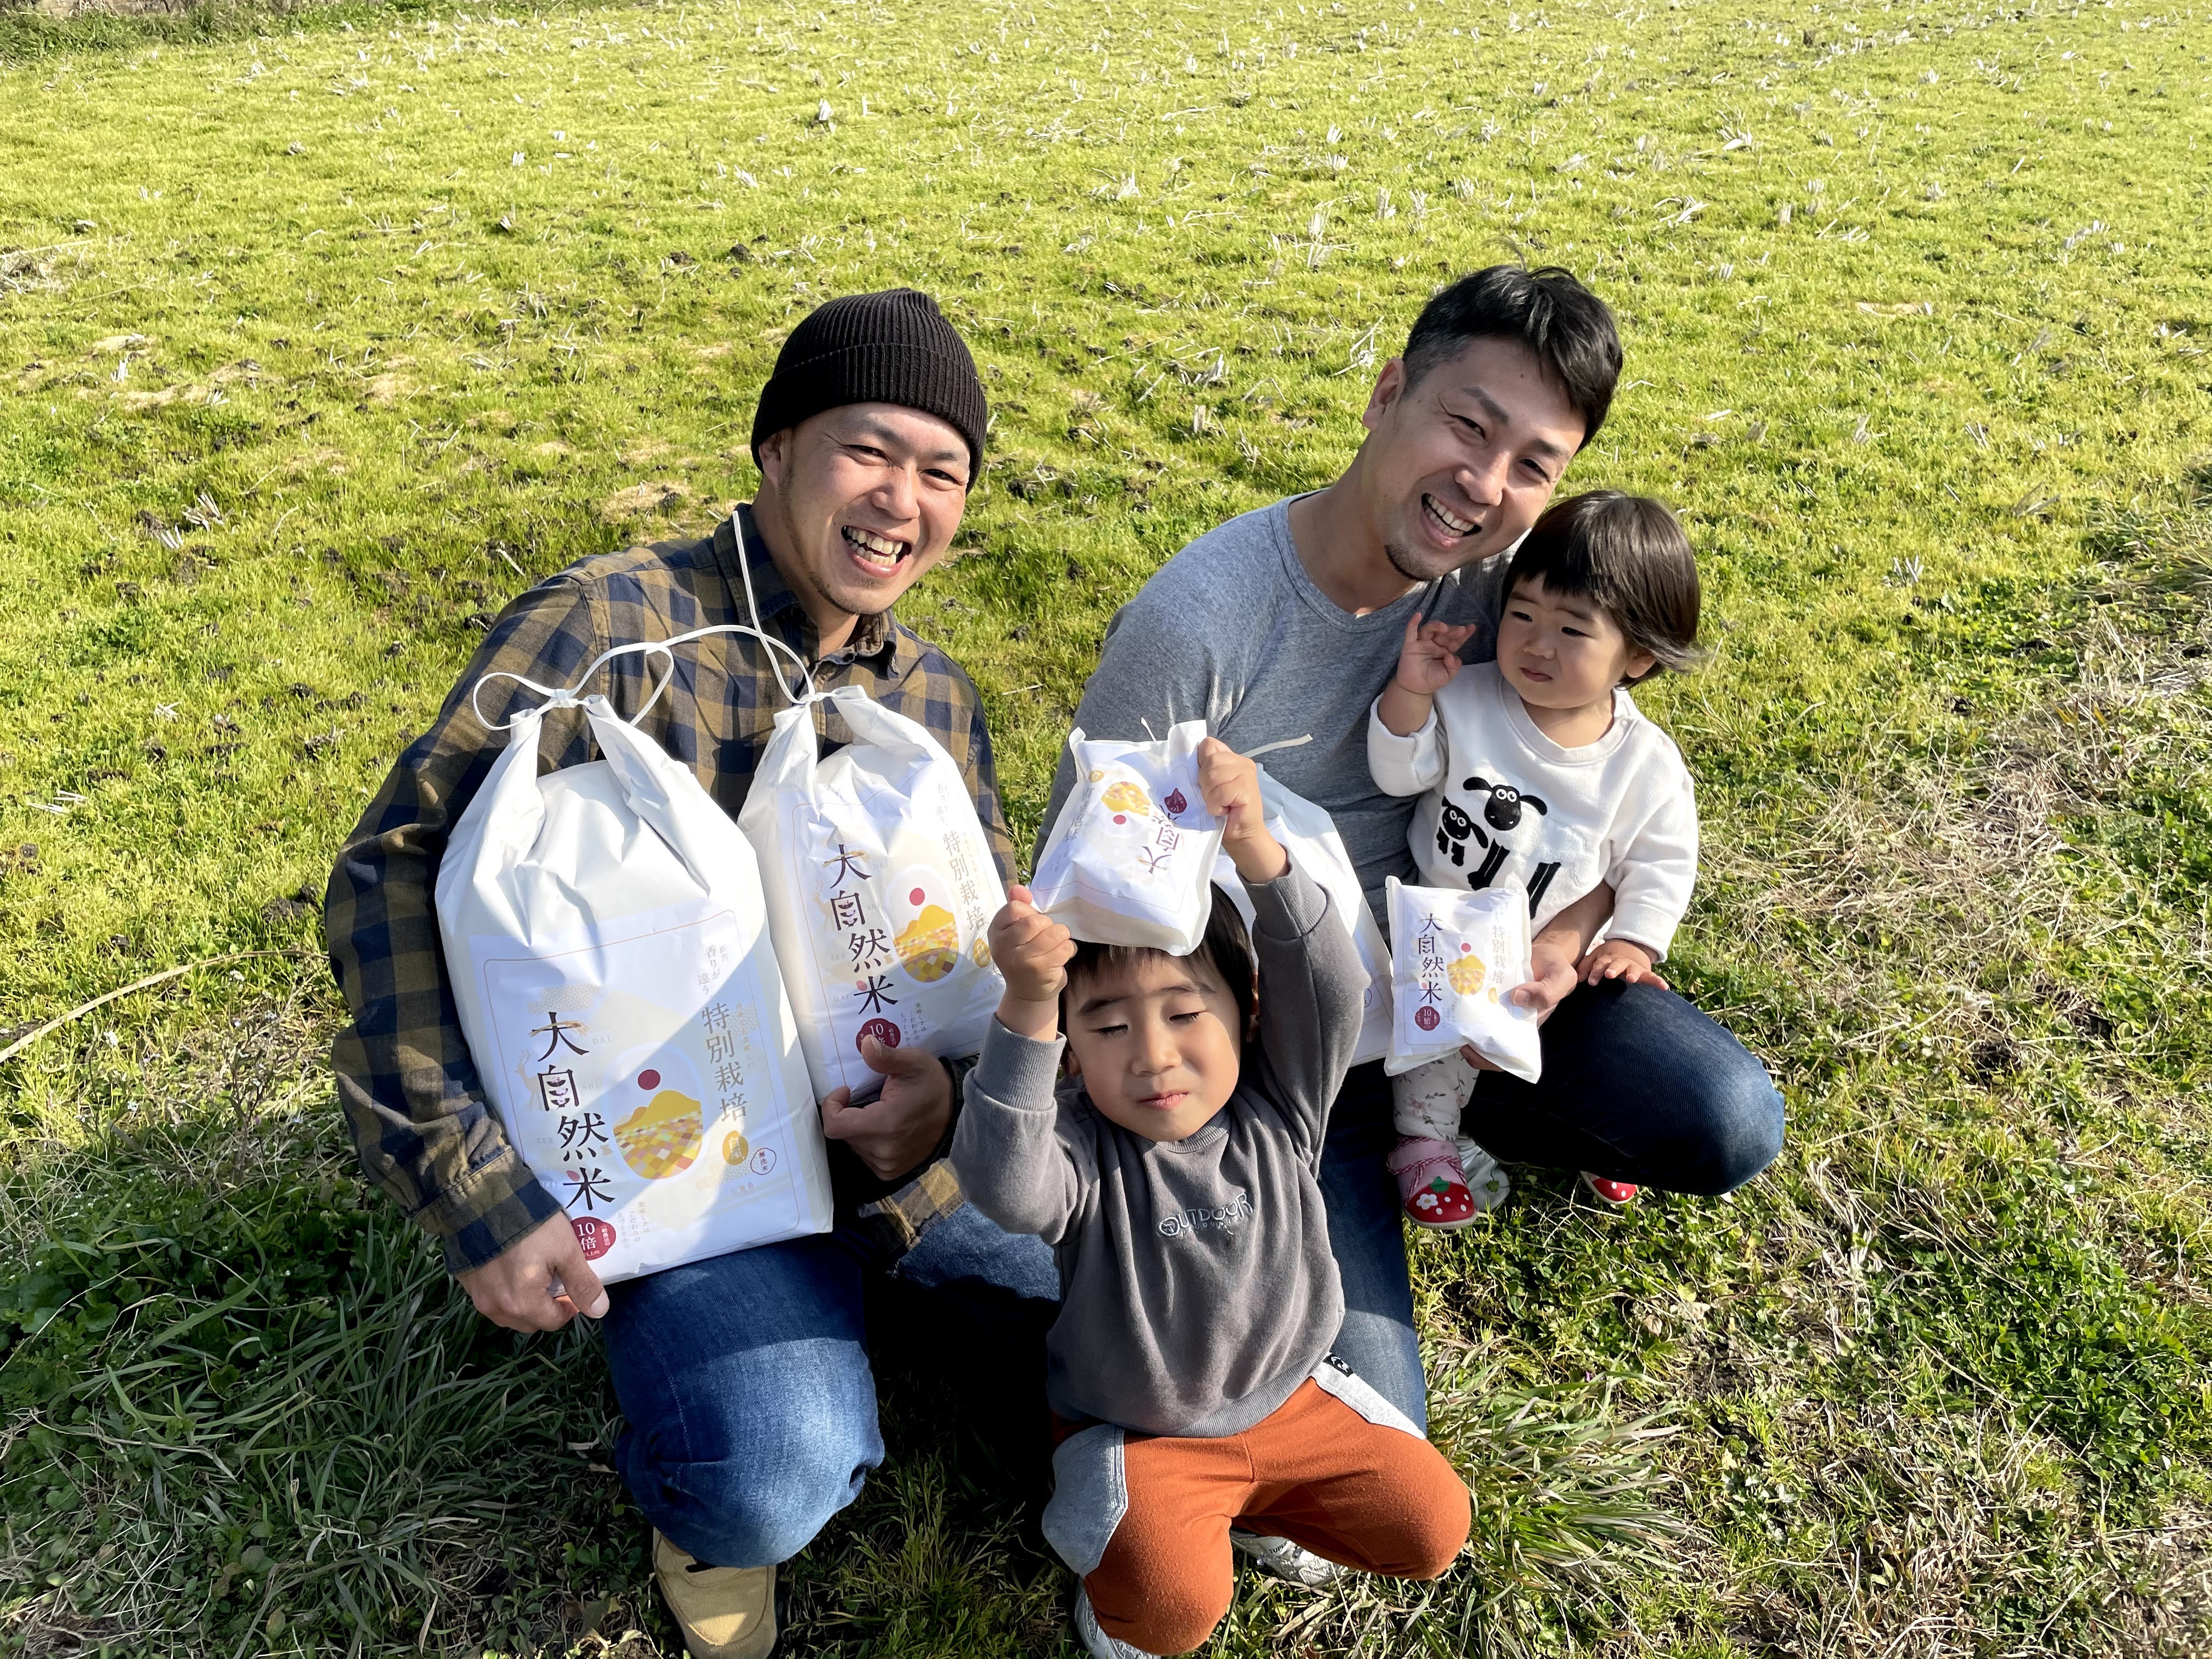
x,y
1032,951
1230,784
1428,659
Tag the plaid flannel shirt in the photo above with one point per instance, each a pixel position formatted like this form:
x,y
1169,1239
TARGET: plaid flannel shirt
x,y
412,1093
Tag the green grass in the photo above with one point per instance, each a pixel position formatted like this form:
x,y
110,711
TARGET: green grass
x,y
321,334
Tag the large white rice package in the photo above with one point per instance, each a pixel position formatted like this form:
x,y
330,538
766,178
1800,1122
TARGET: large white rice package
x,y
1454,958
1309,836
1130,859
609,951
881,889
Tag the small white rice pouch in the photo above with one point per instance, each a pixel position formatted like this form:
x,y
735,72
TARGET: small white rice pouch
x,y
1130,859
1455,957
881,889
608,946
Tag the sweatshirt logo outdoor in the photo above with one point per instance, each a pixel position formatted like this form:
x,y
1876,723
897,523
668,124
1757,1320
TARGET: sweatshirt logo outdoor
x,y
1188,1221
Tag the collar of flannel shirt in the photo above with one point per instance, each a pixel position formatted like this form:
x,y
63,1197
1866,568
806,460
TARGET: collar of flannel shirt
x,y
782,613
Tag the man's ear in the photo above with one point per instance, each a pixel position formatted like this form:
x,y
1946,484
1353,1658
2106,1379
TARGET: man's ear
x,y
774,456
1389,387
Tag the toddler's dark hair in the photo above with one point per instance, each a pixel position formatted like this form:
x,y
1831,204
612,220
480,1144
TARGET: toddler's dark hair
x,y
1226,949
1627,553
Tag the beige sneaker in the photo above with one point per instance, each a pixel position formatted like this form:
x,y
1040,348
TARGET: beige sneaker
x,y
724,1613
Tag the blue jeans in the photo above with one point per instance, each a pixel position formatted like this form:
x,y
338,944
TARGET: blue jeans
x,y
1637,1087
746,1382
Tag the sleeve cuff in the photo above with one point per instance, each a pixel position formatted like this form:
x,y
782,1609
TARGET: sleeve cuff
x,y
1396,762
1288,908
488,1214
900,1218
1644,925
1017,1071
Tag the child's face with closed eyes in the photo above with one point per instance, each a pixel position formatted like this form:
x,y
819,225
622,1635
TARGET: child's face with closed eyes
x,y
1155,1041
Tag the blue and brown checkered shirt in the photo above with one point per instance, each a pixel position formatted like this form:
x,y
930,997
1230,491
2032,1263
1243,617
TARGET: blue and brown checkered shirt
x,y
410,1089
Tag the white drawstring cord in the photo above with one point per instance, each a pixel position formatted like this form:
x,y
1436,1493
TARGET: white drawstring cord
x,y
571,696
1250,754
752,604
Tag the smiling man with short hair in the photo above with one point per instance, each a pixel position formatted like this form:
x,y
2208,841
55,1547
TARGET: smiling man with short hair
x,y
1285,625
745,1379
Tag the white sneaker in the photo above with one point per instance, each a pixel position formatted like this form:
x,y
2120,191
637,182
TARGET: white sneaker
x,y
1095,1642
1283,1559
1488,1183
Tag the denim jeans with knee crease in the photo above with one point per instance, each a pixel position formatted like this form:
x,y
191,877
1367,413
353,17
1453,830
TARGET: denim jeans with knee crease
x,y
745,1380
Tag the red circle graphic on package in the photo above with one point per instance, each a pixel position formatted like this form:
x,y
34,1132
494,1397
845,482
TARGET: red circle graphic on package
x,y
648,1079
882,1029
596,1236
916,896
1121,817
1426,1018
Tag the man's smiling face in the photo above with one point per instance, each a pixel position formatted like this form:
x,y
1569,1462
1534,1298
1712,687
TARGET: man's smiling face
x,y
866,497
1463,460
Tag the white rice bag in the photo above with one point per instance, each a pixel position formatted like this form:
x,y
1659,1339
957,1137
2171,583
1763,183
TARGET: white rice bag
x,y
1454,958
1309,836
1130,859
880,889
603,932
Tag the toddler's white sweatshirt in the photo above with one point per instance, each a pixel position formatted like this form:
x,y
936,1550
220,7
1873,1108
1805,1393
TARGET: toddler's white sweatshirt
x,y
1503,804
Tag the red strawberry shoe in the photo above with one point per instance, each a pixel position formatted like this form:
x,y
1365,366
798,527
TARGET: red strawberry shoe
x,y
1613,1194
1432,1185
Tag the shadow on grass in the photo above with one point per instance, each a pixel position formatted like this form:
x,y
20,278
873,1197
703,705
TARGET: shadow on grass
x,y
246,1413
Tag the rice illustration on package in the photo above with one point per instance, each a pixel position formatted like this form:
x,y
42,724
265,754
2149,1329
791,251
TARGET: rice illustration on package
x,y
1455,957
1466,973
928,947
661,1137
1126,797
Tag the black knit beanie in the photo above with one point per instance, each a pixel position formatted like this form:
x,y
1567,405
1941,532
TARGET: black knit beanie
x,y
890,347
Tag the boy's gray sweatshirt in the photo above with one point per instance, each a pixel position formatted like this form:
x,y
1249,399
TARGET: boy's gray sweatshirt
x,y
1197,1289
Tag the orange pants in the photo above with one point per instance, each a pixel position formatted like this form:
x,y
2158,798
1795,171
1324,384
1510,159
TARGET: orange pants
x,y
1314,1471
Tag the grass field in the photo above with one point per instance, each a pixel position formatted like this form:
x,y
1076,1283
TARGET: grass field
x,y
321,336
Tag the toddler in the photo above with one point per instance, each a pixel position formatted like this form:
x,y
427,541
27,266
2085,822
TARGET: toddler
x,y
1172,1171
1537,770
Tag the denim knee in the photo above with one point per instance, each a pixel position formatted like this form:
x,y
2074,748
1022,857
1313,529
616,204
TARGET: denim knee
x,y
763,1500
1743,1126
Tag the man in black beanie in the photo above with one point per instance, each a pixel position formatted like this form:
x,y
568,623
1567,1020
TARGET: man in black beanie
x,y
745,1379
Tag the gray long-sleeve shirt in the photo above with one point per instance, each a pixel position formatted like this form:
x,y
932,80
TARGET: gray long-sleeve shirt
x,y
1197,1289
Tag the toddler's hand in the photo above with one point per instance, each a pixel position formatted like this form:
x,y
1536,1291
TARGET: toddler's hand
x,y
1619,959
1029,949
1427,661
1230,784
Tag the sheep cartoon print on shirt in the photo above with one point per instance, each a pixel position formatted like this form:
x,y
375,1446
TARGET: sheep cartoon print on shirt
x,y
1502,806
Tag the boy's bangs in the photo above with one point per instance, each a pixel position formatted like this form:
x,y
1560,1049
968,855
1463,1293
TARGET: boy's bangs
x,y
1226,950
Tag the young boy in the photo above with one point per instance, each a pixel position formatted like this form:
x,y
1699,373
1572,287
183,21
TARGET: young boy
x,y
1538,771
1172,1169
